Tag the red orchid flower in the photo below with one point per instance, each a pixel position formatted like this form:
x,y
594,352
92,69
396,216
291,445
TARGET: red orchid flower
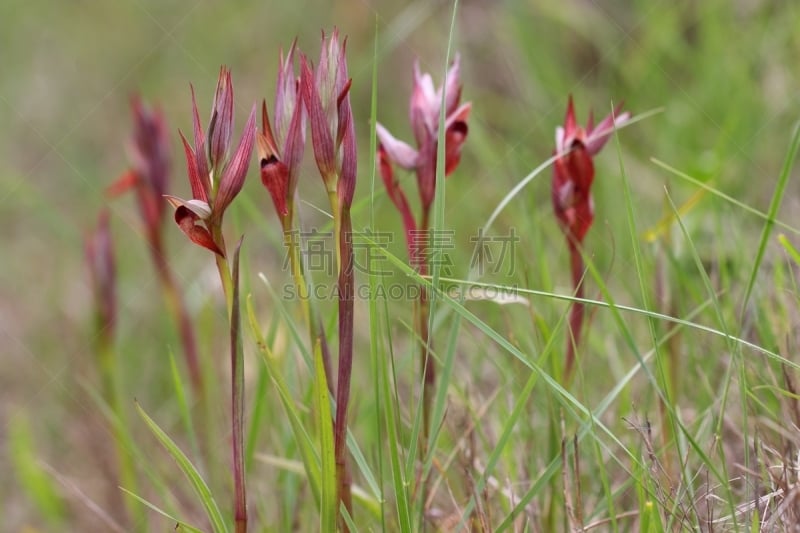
x,y
326,95
424,111
211,196
149,154
573,171
280,149
573,174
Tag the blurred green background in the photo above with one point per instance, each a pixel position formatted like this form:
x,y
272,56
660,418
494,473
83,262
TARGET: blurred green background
x,y
725,74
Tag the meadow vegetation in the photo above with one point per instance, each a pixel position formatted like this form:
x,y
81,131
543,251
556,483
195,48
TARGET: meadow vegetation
x,y
174,384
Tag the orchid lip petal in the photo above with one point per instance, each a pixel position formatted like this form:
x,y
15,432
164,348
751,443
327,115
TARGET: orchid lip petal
x,y
559,139
459,115
275,177
199,235
198,207
398,151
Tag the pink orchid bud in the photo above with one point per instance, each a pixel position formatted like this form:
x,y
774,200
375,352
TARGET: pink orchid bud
x,y
330,75
99,253
274,176
220,128
287,97
321,137
326,95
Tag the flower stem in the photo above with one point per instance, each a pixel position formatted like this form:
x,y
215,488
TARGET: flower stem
x,y
237,403
231,290
346,292
222,266
577,311
333,198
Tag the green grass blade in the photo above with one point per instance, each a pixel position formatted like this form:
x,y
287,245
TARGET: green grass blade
x,y
324,424
734,349
716,192
774,205
195,479
374,316
179,523
308,454
37,486
183,404
399,479
257,416
791,250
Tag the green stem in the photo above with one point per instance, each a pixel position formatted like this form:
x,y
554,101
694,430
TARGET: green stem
x,y
222,266
231,290
577,312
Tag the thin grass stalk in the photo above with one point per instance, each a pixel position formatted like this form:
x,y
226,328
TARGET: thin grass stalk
x,y
346,292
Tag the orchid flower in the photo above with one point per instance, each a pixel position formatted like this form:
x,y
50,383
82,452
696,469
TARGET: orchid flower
x,y
326,94
214,177
280,148
573,174
573,171
424,111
